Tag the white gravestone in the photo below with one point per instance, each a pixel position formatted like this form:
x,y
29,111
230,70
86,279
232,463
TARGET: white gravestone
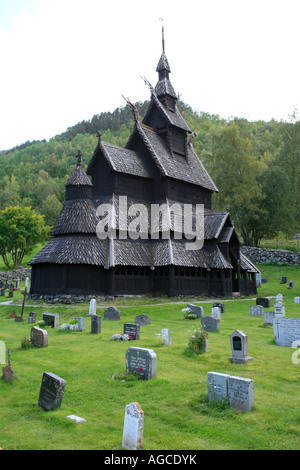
x,y
269,316
92,310
216,313
165,336
297,300
236,391
286,330
217,386
279,309
133,427
279,297
256,310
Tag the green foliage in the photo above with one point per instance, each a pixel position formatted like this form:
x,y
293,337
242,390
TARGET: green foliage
x,y
197,341
21,228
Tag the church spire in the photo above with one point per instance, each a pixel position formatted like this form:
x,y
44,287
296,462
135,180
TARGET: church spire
x,y
164,88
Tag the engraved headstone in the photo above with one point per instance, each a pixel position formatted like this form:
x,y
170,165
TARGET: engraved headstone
x,y
279,297
216,313
51,319
38,337
256,310
286,330
210,324
291,284
240,393
269,316
142,319
165,336
239,347
2,292
196,309
297,300
52,391
142,361
279,309
11,294
264,302
112,313
95,324
283,280
133,427
32,317
217,389
264,280
132,329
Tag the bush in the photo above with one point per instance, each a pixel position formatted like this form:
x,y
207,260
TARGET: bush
x,y
197,341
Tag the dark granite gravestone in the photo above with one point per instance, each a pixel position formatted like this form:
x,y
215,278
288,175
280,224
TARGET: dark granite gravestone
x,y
51,392
112,313
263,301
220,305
210,324
283,280
291,284
32,317
95,324
132,329
264,280
143,361
2,292
1,284
38,337
11,294
142,319
51,319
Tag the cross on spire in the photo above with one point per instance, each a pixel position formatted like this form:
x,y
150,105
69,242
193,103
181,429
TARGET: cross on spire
x,y
78,156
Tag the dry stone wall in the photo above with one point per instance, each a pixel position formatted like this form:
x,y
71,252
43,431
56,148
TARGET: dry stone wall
x,y
264,256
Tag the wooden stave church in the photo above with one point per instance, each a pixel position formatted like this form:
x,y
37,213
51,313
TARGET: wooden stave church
x,y
158,165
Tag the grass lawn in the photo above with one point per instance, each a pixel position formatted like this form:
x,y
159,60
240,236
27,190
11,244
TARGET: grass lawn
x,y
177,415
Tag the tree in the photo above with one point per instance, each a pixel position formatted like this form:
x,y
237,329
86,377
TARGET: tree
x,y
21,228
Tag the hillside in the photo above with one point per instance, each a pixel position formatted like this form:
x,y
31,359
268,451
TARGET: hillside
x,y
255,166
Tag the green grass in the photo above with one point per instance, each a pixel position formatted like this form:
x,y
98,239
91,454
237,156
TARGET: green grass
x,y
177,414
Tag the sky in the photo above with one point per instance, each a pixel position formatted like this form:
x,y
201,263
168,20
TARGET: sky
x,y
64,61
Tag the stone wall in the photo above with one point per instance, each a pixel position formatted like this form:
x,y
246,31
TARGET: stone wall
x,y
264,256
20,273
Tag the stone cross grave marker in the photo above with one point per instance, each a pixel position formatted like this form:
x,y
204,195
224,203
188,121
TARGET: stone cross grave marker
x,y
133,427
51,392
142,361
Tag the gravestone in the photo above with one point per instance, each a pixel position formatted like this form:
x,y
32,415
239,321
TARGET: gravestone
x,y
2,292
279,309
142,361
239,347
264,280
235,391
210,324
256,310
112,313
220,305
12,286
133,427
283,280
131,329
240,393
7,285
286,330
11,294
216,313
297,300
142,319
51,319
217,389
291,284
81,322
51,392
263,301
17,283
279,297
7,372
38,337
32,317
92,310
196,309
95,324
258,279
269,316
1,284
76,419
165,336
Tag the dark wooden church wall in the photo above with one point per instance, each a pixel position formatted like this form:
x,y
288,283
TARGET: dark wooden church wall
x,y
103,178
187,193
134,187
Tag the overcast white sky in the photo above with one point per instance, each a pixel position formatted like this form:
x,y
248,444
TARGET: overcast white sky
x,y
63,61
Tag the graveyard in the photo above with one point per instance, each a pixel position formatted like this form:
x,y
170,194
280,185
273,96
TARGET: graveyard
x,y
89,371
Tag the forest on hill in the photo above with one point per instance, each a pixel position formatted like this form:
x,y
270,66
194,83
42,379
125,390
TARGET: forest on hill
x,y
255,165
